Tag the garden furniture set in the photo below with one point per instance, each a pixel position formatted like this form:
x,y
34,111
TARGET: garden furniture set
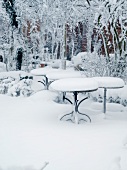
x,y
75,82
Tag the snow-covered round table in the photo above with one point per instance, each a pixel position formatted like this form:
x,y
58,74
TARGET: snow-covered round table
x,y
108,83
75,86
61,74
55,74
42,72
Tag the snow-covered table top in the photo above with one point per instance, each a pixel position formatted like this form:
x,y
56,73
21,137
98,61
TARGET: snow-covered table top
x,y
109,82
43,71
75,84
64,74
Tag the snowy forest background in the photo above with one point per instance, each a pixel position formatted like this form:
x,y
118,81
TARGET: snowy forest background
x,y
42,30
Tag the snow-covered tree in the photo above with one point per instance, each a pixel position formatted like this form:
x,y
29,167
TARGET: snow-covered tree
x,y
56,28
111,26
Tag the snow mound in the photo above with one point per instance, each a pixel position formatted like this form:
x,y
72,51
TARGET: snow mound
x,y
43,96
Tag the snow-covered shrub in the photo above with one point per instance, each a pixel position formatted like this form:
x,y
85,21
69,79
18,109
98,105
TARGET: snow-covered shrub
x,y
97,65
35,62
5,83
94,65
113,96
22,87
16,86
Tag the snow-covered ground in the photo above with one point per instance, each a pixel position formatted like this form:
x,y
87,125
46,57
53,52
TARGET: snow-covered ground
x,y
31,134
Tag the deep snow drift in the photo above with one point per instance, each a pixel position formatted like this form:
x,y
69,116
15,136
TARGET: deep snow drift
x,y
31,134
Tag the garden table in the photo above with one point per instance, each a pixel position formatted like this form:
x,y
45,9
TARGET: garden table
x,y
75,86
42,72
108,83
61,74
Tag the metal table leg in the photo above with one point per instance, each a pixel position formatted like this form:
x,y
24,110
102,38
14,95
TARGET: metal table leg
x,y
65,98
75,113
77,106
104,102
45,82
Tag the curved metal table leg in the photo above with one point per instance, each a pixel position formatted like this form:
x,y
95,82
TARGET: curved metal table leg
x,y
74,114
45,82
42,82
83,113
64,98
77,106
66,116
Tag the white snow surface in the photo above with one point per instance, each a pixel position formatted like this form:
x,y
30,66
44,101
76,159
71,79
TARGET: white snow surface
x,y
31,134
